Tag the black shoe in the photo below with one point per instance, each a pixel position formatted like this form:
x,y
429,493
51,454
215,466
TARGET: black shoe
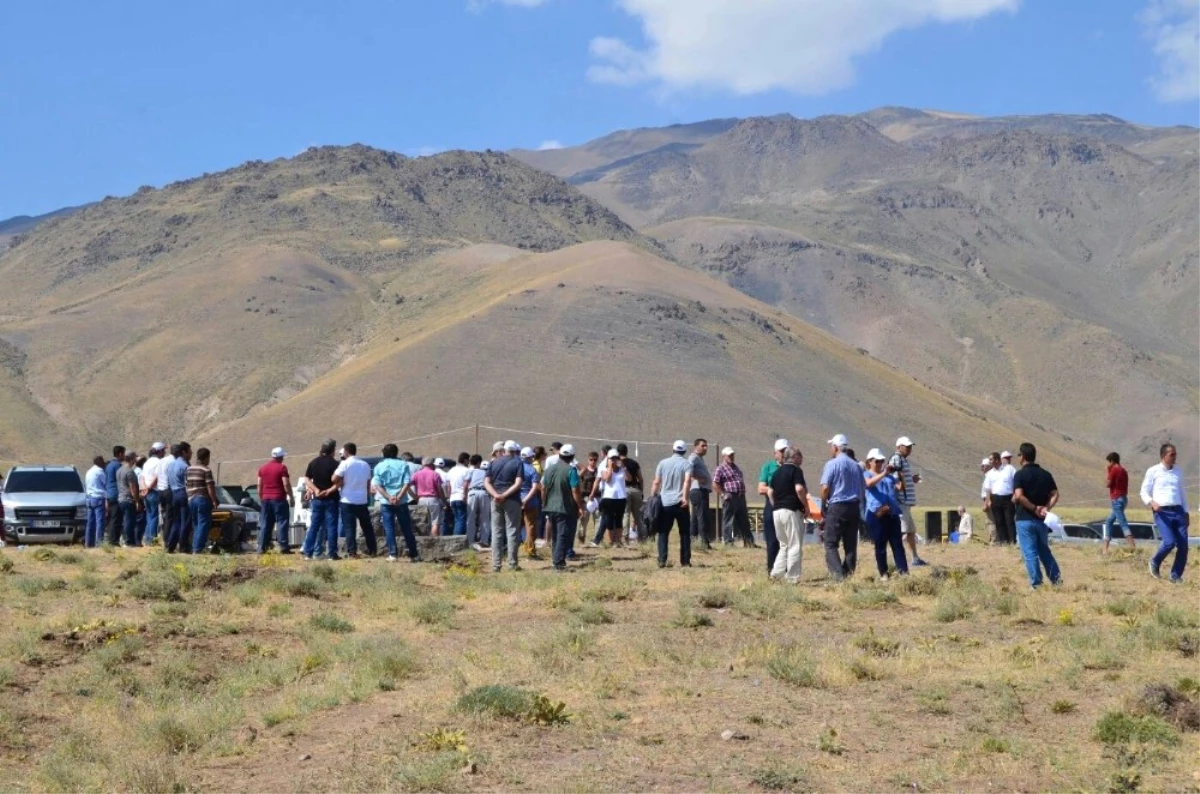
x,y
335,558
685,565
664,565
285,551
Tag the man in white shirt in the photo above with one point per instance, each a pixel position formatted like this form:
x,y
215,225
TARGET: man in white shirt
x,y
352,479
965,525
151,474
459,478
998,498
985,466
97,505
164,490
1163,492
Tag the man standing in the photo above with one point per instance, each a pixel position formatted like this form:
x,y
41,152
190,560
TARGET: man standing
x,y
392,482
353,480
789,499
842,490
770,538
672,479
1163,492
479,510
322,503
164,492
1034,495
202,497
698,494
275,495
458,482
427,483
635,490
564,502
179,528
588,477
111,490
95,492
985,466
129,499
906,494
1118,494
531,501
730,485
503,483
151,474
998,497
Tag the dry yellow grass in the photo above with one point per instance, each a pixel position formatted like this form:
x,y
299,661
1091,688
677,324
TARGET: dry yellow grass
x,y
138,671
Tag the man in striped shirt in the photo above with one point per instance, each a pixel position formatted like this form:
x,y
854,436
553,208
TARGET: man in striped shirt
x,y
730,484
202,497
906,493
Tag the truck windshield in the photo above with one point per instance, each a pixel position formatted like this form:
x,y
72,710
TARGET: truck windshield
x,y
43,482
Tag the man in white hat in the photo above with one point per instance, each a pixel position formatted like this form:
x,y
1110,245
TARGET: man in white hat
x,y
842,491
998,495
989,522
672,479
768,516
531,501
730,485
275,495
906,494
503,482
564,503
151,477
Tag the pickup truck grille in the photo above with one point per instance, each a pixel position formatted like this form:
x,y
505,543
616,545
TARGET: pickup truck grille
x,y
44,513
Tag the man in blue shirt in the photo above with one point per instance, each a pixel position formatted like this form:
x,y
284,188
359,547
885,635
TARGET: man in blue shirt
x,y
179,516
503,482
112,529
842,490
392,482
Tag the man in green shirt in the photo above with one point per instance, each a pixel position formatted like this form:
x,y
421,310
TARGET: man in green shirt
x,y
392,483
563,503
764,482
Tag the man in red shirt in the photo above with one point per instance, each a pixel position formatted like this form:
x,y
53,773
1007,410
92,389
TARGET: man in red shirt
x,y
1118,492
275,493
430,493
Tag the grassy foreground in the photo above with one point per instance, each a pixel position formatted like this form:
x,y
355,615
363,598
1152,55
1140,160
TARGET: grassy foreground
x,y
131,670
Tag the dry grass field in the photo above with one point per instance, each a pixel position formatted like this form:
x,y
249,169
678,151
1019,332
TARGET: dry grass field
x,y
126,670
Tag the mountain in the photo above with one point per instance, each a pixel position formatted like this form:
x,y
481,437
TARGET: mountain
x,y
1012,259
20,224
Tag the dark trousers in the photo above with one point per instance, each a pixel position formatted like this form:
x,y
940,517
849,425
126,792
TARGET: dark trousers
x,y
178,521
361,515
273,521
612,518
677,515
112,530
564,534
735,519
698,499
390,515
129,519
841,529
769,537
885,532
1005,516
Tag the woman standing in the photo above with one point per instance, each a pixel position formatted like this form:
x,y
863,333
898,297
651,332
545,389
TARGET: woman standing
x,y
613,498
883,515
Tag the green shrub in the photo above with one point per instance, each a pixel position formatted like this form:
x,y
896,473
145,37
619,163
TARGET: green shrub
x,y
590,613
36,585
1062,707
916,586
44,554
155,587
302,585
6,565
323,571
1176,618
993,745
689,619
496,700
716,598
870,597
617,590
792,666
327,621
876,646
433,611
951,607
779,777
1117,727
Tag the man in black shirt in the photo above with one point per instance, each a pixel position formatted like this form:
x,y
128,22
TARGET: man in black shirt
x,y
503,483
789,504
323,504
1034,495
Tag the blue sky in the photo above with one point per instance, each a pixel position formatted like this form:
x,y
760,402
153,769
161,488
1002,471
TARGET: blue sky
x,y
98,98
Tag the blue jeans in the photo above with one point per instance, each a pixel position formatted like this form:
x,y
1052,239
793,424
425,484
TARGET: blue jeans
x,y
885,532
93,534
201,510
151,535
390,515
179,516
273,520
322,527
1172,523
1117,516
360,515
1034,539
129,517
460,517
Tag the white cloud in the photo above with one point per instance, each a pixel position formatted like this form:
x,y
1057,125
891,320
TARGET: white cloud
x,y
550,144
1174,28
750,46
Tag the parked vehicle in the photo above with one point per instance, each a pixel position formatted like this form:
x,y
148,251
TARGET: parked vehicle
x,y
1144,534
43,504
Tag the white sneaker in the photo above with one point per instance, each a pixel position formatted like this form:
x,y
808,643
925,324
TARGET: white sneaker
x,y
539,544
391,558
479,547
593,545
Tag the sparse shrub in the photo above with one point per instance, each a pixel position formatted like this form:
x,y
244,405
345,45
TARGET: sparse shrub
x,y
792,666
690,619
44,554
155,587
780,777
870,597
827,742
36,585
1120,607
433,611
279,610
327,621
1169,703
590,614
544,711
1117,727
443,739
1066,617
715,598
991,744
1176,618
301,585
916,586
1188,685
1005,604
386,659
934,702
323,571
248,594
951,607
863,670
496,700
618,590
6,565
70,558
1062,707
876,646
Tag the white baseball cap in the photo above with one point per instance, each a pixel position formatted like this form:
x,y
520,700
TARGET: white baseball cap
x,y
875,454
567,451
1006,454
839,440
985,462
440,462
904,441
512,446
498,446
679,446
278,452
483,466
727,451
781,444
157,445
527,452
612,453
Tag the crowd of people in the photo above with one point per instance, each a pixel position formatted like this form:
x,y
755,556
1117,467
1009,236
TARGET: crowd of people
x,y
532,498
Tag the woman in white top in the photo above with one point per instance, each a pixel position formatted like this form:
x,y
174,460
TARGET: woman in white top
x,y
613,498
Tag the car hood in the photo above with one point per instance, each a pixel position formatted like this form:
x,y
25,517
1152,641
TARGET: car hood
x,y
245,512
44,499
